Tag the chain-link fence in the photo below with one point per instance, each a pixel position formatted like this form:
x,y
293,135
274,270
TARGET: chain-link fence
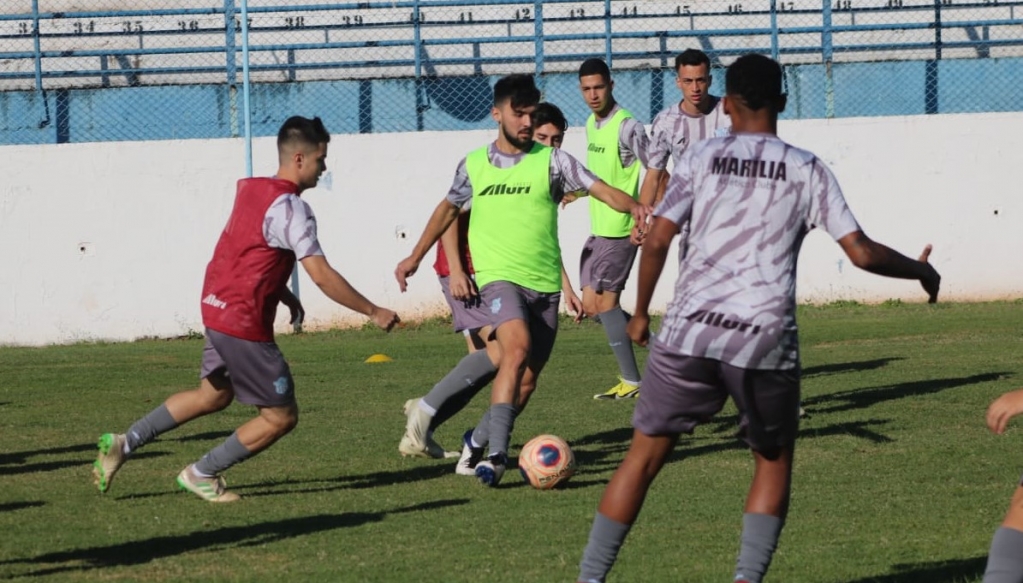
x,y
93,70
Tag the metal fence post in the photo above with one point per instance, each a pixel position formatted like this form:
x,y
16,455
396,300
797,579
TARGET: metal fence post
x,y
774,29
827,51
538,43
607,32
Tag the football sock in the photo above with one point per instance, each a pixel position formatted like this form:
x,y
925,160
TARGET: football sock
x,y
502,419
144,430
222,457
481,435
1005,560
760,534
615,322
466,377
478,372
606,538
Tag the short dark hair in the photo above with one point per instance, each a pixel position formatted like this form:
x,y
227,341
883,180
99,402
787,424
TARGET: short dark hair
x,y
692,58
519,88
595,66
548,113
302,130
756,80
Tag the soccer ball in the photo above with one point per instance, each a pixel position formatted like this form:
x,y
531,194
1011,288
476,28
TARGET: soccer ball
x,y
546,461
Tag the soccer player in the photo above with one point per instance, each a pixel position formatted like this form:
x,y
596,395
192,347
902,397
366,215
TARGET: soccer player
x,y
1005,559
617,148
515,186
270,227
697,117
730,329
456,390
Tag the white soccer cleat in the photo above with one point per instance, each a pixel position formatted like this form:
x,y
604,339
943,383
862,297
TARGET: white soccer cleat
x,y
209,489
470,457
417,427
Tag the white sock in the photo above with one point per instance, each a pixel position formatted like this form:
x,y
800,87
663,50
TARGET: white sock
x,y
427,408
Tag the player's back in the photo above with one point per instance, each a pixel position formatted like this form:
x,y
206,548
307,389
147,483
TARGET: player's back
x,y
751,198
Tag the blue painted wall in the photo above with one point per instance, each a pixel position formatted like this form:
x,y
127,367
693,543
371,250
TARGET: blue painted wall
x,y
391,105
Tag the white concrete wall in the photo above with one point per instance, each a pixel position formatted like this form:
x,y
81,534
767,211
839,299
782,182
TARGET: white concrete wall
x,y
110,240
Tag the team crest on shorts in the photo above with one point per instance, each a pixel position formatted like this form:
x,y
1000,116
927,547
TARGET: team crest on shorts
x,y
495,306
281,385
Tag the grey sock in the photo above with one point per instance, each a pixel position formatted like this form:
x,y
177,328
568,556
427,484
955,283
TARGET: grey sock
x,y
1005,560
455,390
615,322
502,419
760,534
606,537
144,430
481,435
223,456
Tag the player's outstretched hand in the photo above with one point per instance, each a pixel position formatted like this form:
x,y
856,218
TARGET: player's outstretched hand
x,y
384,318
931,282
406,269
461,286
638,329
1003,409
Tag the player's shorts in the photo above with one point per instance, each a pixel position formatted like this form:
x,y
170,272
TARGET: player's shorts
x,y
465,314
605,263
508,301
257,370
680,392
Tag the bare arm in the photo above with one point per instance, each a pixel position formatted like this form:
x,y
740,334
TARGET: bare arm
x,y
442,217
459,283
874,257
572,301
651,264
337,288
650,192
619,201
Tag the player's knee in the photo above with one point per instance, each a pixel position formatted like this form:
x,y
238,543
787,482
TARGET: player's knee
x,y
281,419
514,357
590,308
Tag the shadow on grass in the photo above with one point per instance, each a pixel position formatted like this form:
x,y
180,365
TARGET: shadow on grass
x,y
829,369
11,464
144,551
863,398
12,506
614,443
22,456
355,482
955,571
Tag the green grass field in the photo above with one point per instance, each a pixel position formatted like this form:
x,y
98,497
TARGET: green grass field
x,y
897,479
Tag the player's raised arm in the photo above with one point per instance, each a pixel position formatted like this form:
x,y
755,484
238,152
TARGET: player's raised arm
x,y
337,288
874,257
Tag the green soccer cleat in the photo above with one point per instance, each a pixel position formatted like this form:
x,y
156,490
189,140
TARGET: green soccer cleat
x,y
110,459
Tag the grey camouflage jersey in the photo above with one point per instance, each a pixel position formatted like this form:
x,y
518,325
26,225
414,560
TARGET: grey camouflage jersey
x,y
567,175
674,130
751,198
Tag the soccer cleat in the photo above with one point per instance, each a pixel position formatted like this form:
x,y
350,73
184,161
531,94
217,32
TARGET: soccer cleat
x,y
433,449
627,391
622,390
110,459
490,471
209,489
417,426
470,457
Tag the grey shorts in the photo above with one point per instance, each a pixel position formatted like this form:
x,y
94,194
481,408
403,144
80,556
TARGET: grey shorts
x,y
680,392
605,263
465,314
508,301
257,370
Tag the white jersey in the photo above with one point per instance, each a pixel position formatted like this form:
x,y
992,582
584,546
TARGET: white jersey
x,y
750,198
